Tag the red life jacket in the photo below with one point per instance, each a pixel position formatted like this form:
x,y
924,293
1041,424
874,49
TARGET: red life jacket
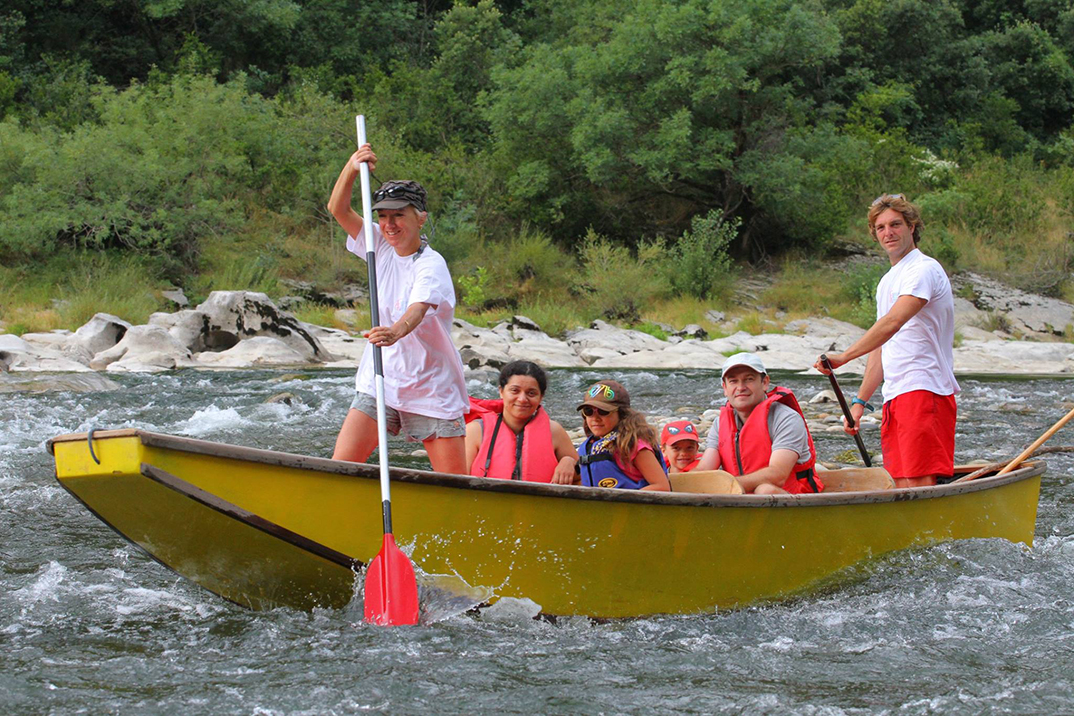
x,y
533,448
750,449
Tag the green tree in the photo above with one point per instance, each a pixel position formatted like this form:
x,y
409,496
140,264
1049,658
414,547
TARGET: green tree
x,y
647,119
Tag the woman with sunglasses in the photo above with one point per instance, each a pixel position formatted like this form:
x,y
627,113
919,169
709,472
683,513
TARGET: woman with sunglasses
x,y
514,439
618,450
424,388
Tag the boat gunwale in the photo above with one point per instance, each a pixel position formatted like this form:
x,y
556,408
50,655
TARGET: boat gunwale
x,y
575,492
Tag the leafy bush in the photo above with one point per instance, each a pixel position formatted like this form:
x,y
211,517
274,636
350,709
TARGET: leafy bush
x,y
860,287
619,284
528,268
698,262
473,286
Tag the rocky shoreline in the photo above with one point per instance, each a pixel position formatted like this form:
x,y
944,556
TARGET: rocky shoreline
x,y
242,329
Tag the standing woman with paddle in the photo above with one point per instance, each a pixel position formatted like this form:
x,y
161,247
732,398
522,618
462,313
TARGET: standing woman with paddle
x,y
424,388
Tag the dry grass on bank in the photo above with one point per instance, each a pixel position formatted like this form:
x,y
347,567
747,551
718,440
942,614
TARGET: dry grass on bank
x,y
68,290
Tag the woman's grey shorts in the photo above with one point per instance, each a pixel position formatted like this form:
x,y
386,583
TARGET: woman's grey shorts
x,y
416,428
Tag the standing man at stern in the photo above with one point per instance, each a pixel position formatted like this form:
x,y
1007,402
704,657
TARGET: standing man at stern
x,y
760,436
910,349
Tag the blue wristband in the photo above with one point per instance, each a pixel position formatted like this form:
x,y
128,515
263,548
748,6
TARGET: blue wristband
x,y
859,401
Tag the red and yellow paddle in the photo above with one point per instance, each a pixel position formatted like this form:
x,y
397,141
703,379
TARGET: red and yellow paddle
x,y
391,589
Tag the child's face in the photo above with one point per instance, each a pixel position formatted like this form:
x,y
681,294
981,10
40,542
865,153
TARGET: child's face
x,y
600,425
679,455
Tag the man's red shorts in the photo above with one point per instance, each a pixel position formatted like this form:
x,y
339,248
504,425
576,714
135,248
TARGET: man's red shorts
x,y
917,434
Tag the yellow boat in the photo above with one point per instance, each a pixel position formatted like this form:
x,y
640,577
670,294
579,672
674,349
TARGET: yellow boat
x,y
266,529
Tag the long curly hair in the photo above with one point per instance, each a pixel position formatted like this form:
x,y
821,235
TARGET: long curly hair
x,y
632,427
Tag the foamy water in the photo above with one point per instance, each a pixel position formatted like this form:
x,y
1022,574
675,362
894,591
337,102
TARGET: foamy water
x,y
90,624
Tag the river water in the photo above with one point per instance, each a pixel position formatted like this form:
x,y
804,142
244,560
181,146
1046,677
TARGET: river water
x,y
90,624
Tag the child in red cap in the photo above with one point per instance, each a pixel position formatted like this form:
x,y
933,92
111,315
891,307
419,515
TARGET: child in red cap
x,y
679,443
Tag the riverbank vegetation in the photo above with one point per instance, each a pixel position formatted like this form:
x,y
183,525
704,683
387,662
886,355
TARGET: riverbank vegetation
x,y
631,161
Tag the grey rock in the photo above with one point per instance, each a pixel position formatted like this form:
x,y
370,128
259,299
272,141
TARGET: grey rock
x,y
715,316
64,383
354,293
247,314
285,398
523,323
143,349
256,351
824,396
17,354
347,316
176,296
474,359
693,331
603,340
101,332
290,303
191,329
1025,311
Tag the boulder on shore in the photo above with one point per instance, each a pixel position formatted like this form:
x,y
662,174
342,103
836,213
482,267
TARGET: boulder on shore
x,y
256,352
144,349
101,332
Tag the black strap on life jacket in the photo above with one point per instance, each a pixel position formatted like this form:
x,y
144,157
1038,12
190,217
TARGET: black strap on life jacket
x,y
519,439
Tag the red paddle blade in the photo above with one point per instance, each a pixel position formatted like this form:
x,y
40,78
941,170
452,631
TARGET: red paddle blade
x,y
391,590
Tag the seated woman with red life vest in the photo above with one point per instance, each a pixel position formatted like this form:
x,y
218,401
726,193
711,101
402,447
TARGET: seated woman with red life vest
x,y
761,436
680,446
513,438
619,448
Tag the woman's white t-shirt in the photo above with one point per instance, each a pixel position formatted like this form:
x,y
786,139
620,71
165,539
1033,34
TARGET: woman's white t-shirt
x,y
422,372
920,356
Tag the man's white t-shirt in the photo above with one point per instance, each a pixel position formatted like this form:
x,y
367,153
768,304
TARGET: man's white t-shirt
x,y
920,356
422,372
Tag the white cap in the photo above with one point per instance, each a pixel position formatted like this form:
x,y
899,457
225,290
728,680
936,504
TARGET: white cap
x,y
747,359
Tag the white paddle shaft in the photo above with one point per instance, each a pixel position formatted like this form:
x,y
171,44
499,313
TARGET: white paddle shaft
x,y
378,366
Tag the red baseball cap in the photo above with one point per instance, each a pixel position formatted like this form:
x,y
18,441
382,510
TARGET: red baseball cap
x,y
678,430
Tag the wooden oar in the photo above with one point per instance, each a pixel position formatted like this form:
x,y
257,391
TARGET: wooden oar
x,y
1024,454
846,410
391,590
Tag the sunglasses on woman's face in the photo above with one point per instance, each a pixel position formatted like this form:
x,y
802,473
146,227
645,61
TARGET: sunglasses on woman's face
x,y
588,411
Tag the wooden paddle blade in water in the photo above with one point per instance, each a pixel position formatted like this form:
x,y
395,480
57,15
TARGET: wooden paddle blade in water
x,y
391,590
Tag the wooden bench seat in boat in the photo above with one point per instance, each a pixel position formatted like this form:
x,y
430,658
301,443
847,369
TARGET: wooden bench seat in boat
x,y
719,482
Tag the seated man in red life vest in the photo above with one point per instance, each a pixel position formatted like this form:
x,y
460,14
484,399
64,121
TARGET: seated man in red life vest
x,y
680,445
760,436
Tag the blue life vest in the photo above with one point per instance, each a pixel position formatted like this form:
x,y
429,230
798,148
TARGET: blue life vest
x,y
602,470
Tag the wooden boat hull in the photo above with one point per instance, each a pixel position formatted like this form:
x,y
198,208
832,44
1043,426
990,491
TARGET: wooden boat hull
x,y
264,528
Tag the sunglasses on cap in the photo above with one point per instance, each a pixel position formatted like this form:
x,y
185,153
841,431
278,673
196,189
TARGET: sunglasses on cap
x,y
672,430
601,390
398,191
588,410
886,197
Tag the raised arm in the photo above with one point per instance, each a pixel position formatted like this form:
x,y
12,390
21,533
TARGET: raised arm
x,y
339,204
